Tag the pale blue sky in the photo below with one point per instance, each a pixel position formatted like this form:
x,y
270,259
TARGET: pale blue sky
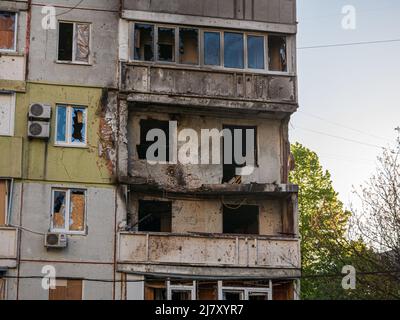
x,y
355,86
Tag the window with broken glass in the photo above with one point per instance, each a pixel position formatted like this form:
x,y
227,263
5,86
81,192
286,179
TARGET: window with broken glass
x,y
73,42
249,51
8,31
68,211
71,126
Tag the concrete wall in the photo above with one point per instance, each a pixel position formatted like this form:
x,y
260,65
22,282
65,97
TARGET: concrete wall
x,y
88,256
102,71
279,11
45,161
194,176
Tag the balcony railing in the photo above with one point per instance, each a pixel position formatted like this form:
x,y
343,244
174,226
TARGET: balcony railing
x,y
8,247
252,91
216,250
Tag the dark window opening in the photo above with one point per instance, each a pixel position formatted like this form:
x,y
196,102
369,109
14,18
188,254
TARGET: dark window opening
x,y
229,169
144,42
243,220
277,53
189,46
155,216
166,44
65,41
207,290
145,127
212,48
155,290
233,50
233,295
181,295
255,52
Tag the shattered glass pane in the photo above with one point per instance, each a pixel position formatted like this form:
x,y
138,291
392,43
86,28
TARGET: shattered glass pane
x,y
277,53
189,45
166,44
78,125
59,210
144,42
82,42
77,208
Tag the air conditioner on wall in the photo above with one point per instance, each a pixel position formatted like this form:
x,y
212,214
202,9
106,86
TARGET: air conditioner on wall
x,y
38,129
55,240
39,111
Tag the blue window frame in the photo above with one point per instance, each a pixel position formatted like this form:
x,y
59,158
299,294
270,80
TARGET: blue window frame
x,y
212,48
233,50
71,125
255,52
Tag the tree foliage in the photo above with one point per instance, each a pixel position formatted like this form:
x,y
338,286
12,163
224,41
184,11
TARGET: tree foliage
x,y
325,242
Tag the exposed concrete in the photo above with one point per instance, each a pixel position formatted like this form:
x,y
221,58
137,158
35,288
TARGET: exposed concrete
x,y
194,176
279,11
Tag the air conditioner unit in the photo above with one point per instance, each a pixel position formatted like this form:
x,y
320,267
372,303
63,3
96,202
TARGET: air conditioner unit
x,y
39,111
39,129
56,240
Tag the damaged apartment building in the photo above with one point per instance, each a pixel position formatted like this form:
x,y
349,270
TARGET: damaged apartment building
x,y
77,190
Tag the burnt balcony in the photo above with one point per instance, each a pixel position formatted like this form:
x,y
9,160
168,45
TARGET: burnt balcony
x,y
8,247
211,90
212,255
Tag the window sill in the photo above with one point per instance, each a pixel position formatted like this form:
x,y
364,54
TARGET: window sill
x,y
60,145
87,64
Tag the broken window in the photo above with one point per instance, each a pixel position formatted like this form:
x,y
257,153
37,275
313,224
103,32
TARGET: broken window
x,y
207,290
212,48
69,211
283,290
7,113
255,52
243,291
166,44
233,50
243,220
71,125
155,290
8,30
230,164
74,42
277,53
144,42
70,289
155,216
180,291
147,125
189,46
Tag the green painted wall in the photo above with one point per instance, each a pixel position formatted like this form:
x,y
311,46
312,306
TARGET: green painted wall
x,y
42,160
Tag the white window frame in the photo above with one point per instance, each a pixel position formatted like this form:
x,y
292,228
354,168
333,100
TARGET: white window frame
x,y
67,211
244,291
7,203
182,288
68,125
14,49
12,113
201,64
74,40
